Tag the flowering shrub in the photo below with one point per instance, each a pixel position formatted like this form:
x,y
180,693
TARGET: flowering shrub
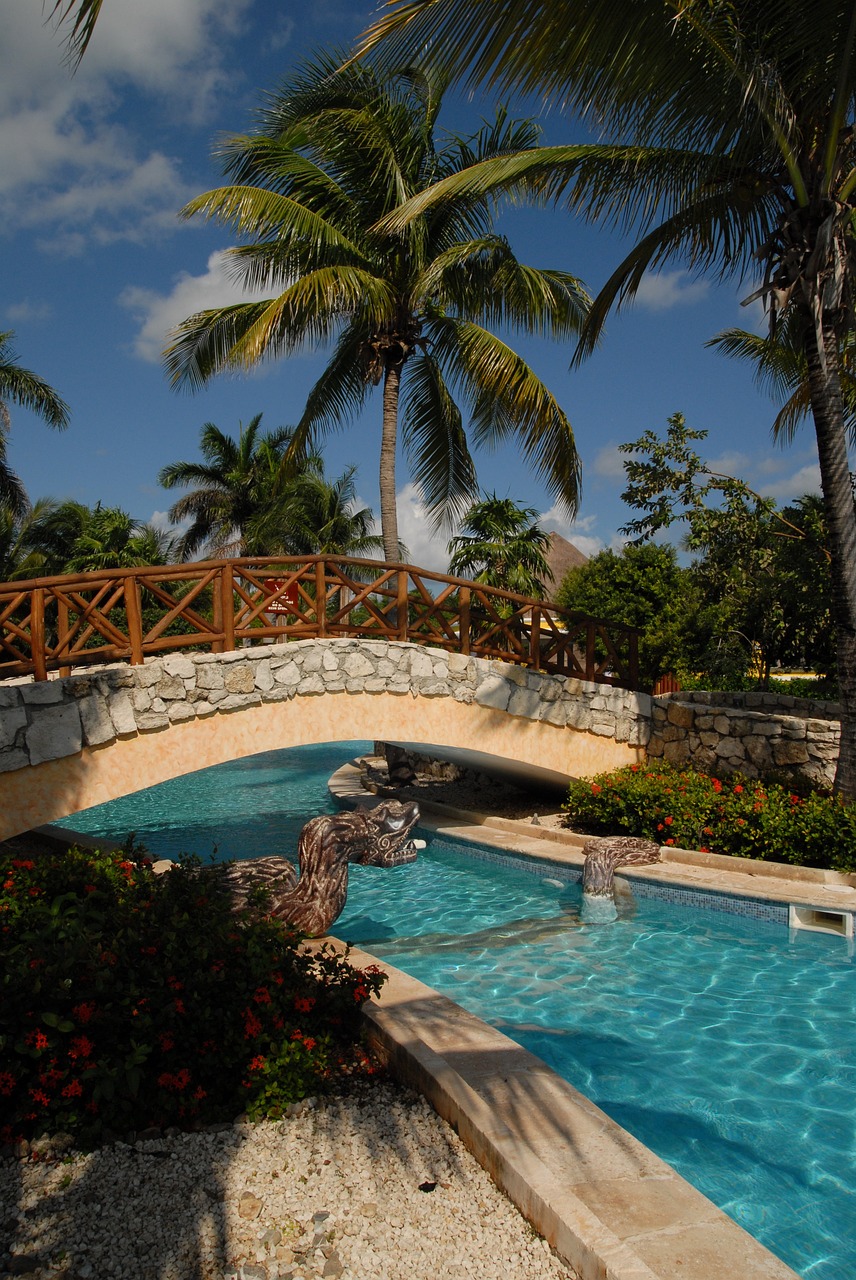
x,y
130,1000
737,815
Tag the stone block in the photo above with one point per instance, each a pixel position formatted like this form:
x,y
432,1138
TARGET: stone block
x,y
148,674
603,728
311,659
122,713
787,751
42,693
170,689
179,711
209,676
525,702
151,721
311,685
730,749
676,752
357,665
288,675
12,760
181,666
10,722
239,679
96,720
493,692
141,700
10,696
264,675
681,715
330,660
56,733
235,701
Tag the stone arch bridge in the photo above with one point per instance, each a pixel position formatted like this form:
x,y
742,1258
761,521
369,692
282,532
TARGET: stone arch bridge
x,y
82,739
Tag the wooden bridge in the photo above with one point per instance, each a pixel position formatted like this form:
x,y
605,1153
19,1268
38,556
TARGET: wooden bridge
x,y
62,623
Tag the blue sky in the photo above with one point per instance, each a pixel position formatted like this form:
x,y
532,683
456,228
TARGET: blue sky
x,y
97,267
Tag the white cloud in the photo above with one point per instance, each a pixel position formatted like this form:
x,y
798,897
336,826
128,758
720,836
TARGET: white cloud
x,y
158,313
426,548
609,463
805,479
64,162
28,312
662,290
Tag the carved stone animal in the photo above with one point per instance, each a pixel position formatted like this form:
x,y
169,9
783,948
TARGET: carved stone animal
x,y
377,836
602,856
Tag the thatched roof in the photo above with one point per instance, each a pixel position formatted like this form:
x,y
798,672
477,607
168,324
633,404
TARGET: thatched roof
x,y
561,557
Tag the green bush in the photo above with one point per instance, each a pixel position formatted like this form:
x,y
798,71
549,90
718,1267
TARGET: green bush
x,y
129,1000
737,815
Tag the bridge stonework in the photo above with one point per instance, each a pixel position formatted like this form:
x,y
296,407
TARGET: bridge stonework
x,y
76,741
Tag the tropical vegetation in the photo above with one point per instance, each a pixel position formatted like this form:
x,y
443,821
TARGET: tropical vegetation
x,y
743,817
502,545
23,387
132,1000
729,142
337,151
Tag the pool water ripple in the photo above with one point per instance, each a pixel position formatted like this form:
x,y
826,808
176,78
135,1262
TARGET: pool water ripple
x,y
720,1041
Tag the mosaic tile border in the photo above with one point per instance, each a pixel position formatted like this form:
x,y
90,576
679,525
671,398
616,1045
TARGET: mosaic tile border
x,y
752,908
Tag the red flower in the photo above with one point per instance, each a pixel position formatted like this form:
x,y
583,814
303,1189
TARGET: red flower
x,y
252,1026
303,1004
178,1005
166,1041
81,1047
360,993
738,790
39,1095
716,784
37,1040
258,1063
309,1043
670,840
595,789
173,983
89,888
262,995
7,1082
34,892
23,864
84,1012
8,884
74,1089
668,821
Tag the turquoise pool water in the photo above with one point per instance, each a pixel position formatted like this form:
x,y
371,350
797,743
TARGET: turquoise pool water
x,y
722,1043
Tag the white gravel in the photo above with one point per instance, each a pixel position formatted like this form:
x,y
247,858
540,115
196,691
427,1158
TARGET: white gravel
x,y
332,1191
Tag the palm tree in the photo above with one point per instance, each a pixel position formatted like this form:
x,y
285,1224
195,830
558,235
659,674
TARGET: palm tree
x,y
336,151
317,517
236,480
70,537
20,555
502,545
27,389
731,143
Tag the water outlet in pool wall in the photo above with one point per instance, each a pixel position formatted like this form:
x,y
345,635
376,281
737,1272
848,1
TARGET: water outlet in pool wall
x,y
821,920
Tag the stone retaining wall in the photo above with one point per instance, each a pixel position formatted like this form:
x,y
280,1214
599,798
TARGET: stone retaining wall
x,y
56,718
753,733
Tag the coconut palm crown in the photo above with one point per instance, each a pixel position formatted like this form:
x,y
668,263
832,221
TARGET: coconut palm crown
x,y
412,310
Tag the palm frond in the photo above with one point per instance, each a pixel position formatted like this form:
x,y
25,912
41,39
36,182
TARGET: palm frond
x,y
508,400
436,442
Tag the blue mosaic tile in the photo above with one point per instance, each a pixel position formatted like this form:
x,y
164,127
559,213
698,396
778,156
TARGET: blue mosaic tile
x,y
753,908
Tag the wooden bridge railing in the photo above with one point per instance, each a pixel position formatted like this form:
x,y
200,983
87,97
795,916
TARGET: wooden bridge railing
x,y
56,624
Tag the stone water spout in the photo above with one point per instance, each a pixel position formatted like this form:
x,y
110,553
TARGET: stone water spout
x,y
602,857
378,836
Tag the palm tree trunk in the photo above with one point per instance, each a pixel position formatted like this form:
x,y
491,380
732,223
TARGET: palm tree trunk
x,y
827,409
389,438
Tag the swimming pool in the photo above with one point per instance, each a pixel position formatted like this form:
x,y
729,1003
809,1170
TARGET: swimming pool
x,y
722,1042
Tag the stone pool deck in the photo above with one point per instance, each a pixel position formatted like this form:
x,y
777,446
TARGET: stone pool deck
x,y
611,1208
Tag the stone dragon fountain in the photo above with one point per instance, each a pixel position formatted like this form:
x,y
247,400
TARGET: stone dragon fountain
x,y
377,836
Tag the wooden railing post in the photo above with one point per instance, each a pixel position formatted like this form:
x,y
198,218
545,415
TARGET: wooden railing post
x,y
134,616
62,632
535,639
227,606
464,598
402,604
321,596
37,634
633,673
590,654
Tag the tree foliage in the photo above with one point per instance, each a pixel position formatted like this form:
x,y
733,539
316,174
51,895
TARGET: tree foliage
x,y
502,545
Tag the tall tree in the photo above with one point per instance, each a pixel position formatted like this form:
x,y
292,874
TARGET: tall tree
x,y
236,481
23,387
337,150
731,142
317,517
502,545
70,537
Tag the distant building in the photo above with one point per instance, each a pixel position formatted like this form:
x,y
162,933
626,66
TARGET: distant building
x,y
562,556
